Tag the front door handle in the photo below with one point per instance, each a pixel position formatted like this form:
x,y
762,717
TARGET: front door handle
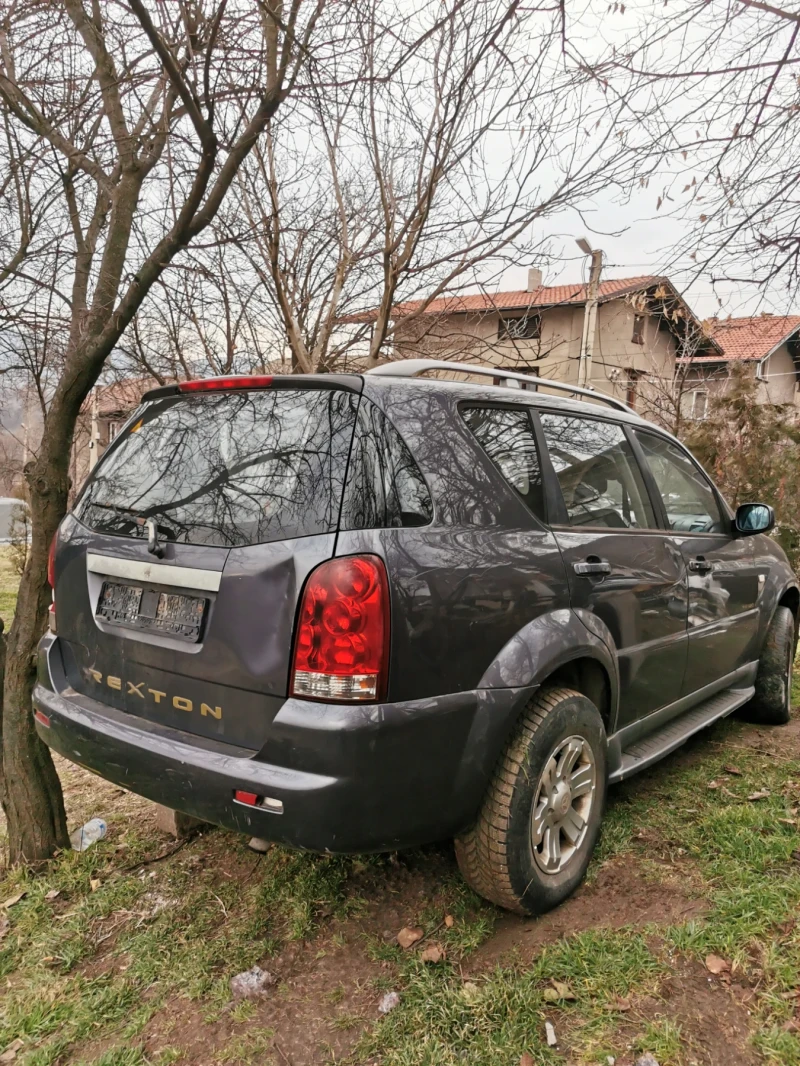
x,y
593,565
700,565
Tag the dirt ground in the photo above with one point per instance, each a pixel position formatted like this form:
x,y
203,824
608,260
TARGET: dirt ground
x,y
327,985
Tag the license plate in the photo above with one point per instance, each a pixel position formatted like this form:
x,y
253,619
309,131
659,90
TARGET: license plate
x,y
182,615
119,603
141,608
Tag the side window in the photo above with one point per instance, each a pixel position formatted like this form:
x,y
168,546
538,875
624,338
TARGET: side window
x,y
506,435
689,500
384,488
600,479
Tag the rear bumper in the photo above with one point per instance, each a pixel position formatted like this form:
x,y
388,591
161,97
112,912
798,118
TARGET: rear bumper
x,y
350,778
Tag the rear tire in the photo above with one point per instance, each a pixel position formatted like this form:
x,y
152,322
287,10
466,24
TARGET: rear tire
x,y
540,817
772,702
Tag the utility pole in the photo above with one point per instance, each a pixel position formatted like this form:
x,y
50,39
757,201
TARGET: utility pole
x,y
589,313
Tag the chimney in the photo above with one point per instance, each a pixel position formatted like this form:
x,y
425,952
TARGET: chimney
x,y
534,279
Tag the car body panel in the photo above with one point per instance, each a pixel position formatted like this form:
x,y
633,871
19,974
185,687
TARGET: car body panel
x,y
723,617
642,603
369,778
484,608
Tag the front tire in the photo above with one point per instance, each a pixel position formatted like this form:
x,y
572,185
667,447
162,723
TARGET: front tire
x,y
540,817
772,702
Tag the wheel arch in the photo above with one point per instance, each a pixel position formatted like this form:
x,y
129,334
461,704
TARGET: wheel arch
x,y
558,648
588,676
790,598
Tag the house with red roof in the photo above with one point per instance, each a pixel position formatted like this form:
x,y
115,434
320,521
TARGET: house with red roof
x,y
642,327
767,346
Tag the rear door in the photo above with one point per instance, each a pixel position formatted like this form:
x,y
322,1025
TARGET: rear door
x,y
242,489
722,577
621,566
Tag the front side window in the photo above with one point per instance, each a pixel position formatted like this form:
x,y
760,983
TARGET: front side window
x,y
599,477
506,435
226,468
689,500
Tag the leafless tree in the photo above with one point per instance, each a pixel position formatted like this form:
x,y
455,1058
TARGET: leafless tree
x,y
715,86
377,150
209,313
127,122
409,183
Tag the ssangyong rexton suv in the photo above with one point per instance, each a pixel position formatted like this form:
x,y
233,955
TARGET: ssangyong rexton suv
x,y
362,612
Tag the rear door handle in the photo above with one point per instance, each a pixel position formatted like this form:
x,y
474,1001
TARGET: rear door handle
x,y
700,565
592,566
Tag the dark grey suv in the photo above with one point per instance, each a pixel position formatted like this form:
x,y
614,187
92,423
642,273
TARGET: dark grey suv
x,y
363,612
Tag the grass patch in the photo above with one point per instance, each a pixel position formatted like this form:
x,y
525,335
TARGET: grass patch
x,y
97,965
741,854
9,582
101,962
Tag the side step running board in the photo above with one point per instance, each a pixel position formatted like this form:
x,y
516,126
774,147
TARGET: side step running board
x,y
656,745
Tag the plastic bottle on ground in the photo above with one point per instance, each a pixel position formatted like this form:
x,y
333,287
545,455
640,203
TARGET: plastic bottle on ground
x,y
83,838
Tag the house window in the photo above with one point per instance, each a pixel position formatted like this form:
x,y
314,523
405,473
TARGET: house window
x,y
632,378
113,430
638,329
522,327
762,370
696,405
532,372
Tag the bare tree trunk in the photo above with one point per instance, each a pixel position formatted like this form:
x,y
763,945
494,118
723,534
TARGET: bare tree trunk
x,y
30,789
110,280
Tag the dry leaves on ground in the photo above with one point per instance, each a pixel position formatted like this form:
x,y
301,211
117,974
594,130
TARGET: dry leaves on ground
x,y
717,965
10,1052
408,936
432,953
558,991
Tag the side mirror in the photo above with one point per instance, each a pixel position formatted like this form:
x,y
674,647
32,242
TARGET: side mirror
x,y
754,518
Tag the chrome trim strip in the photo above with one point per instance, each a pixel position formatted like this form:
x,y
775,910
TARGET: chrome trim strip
x,y
185,577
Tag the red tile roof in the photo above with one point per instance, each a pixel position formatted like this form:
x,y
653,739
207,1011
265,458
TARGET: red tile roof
x,y
517,300
749,338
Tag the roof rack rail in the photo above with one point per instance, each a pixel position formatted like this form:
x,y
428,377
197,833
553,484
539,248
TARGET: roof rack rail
x,y
412,368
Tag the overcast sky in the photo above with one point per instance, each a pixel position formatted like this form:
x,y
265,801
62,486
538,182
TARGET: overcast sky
x,y
636,239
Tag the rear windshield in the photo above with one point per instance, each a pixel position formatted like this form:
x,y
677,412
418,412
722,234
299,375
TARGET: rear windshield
x,y
227,469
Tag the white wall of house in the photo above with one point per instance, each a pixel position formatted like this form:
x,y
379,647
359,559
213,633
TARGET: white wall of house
x,y
778,378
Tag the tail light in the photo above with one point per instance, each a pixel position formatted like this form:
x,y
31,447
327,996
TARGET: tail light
x,y
341,647
51,581
226,384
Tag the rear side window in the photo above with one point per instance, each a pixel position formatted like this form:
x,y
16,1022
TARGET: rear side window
x,y
600,479
227,469
385,488
506,435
